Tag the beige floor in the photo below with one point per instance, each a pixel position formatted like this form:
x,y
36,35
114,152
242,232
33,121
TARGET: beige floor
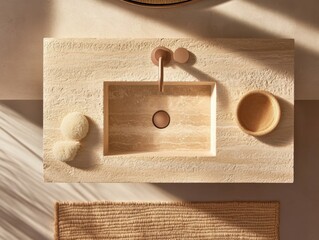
x,y
26,203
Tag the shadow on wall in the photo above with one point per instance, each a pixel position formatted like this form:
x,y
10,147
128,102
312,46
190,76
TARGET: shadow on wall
x,y
306,14
30,109
205,19
26,203
23,26
299,208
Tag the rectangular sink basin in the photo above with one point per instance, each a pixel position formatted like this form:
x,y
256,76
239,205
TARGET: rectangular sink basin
x,y
128,119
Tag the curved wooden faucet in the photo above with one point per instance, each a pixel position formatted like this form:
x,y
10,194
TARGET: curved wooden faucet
x,y
161,56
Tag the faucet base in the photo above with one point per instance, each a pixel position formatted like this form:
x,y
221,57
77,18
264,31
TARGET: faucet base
x,y
163,52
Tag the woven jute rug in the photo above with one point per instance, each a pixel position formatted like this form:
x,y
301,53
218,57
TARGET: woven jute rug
x,y
215,220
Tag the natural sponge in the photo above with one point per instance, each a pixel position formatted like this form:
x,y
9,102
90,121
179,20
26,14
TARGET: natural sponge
x,y
65,150
74,126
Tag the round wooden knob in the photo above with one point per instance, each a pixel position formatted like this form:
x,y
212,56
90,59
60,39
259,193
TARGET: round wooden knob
x,y
181,55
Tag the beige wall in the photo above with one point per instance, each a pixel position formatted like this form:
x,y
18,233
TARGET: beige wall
x,y
23,24
26,202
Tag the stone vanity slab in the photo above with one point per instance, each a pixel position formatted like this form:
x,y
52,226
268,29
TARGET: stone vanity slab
x,y
77,70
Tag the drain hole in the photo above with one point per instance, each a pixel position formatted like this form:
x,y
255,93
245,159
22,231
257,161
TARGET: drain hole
x,y
161,119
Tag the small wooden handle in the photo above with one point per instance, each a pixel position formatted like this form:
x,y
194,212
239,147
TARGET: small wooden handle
x,y
181,55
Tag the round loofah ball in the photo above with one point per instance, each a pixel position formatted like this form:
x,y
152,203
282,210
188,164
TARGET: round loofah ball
x,y
65,151
74,126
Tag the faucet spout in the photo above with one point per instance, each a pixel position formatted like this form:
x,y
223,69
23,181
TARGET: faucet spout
x,y
161,56
160,74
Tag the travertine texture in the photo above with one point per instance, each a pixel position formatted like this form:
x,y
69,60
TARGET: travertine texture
x,y
25,23
74,74
128,122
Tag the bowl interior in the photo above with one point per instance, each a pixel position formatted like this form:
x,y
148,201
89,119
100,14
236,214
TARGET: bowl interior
x,y
258,112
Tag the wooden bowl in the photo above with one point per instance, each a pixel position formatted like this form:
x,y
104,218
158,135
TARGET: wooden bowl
x,y
258,113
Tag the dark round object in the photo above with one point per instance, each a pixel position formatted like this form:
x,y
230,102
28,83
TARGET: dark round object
x,y
161,119
158,3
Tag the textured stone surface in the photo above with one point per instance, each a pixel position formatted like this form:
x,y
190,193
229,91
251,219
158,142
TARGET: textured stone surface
x,y
76,69
131,108
25,23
